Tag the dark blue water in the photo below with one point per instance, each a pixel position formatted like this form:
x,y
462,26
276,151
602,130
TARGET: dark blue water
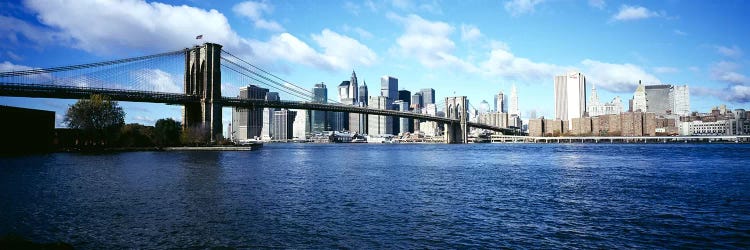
x,y
386,196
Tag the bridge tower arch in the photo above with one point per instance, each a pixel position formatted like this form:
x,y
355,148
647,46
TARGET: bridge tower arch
x,y
456,132
203,80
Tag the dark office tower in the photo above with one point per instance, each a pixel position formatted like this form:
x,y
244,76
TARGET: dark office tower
x,y
247,123
319,118
428,96
416,101
362,97
404,95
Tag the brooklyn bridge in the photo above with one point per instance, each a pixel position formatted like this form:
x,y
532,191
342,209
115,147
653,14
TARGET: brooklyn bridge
x,y
205,67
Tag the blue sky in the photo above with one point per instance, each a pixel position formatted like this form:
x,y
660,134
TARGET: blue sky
x,y
473,48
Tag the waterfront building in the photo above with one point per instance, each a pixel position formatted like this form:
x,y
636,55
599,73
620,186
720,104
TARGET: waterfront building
x,y
26,130
301,124
404,123
379,124
318,119
639,99
266,132
248,122
283,124
358,122
659,99
513,106
428,96
430,128
570,96
498,119
681,99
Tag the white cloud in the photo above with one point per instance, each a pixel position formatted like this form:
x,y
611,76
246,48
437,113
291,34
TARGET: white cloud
x,y
14,56
8,66
428,42
733,51
470,32
340,52
694,69
363,34
503,63
679,32
738,94
616,77
666,70
520,7
628,13
159,80
727,72
11,28
133,24
599,4
255,11
352,8
344,52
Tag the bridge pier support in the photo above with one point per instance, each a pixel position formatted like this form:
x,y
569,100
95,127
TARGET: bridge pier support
x,y
203,79
456,108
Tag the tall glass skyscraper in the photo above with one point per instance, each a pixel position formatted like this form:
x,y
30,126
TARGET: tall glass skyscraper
x,y
319,118
428,96
389,88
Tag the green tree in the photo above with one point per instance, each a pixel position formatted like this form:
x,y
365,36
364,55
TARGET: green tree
x,y
136,135
98,117
167,132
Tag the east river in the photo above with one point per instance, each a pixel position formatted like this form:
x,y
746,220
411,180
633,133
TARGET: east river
x,y
386,196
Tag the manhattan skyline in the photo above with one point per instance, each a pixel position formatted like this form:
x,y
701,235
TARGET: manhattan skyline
x,y
475,49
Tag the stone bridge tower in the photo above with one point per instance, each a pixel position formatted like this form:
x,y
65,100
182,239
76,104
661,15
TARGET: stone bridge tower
x,y
203,80
456,108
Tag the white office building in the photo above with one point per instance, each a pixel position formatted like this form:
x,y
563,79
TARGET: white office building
x,y
570,96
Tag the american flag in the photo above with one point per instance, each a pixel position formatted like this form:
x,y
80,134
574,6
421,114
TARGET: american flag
x,y
199,37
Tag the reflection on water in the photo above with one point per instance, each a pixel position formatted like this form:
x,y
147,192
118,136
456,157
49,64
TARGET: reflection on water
x,y
385,196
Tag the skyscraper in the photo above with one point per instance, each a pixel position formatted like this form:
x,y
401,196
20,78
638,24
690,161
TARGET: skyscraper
x,y
283,124
362,96
319,118
379,124
389,88
266,132
343,92
247,123
570,96
501,102
681,98
513,107
639,99
301,124
404,95
428,96
354,88
659,99
416,101
404,123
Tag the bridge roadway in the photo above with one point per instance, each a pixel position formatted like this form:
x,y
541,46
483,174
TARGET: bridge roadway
x,y
72,92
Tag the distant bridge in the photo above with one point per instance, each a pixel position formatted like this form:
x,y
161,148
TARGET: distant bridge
x,y
201,95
